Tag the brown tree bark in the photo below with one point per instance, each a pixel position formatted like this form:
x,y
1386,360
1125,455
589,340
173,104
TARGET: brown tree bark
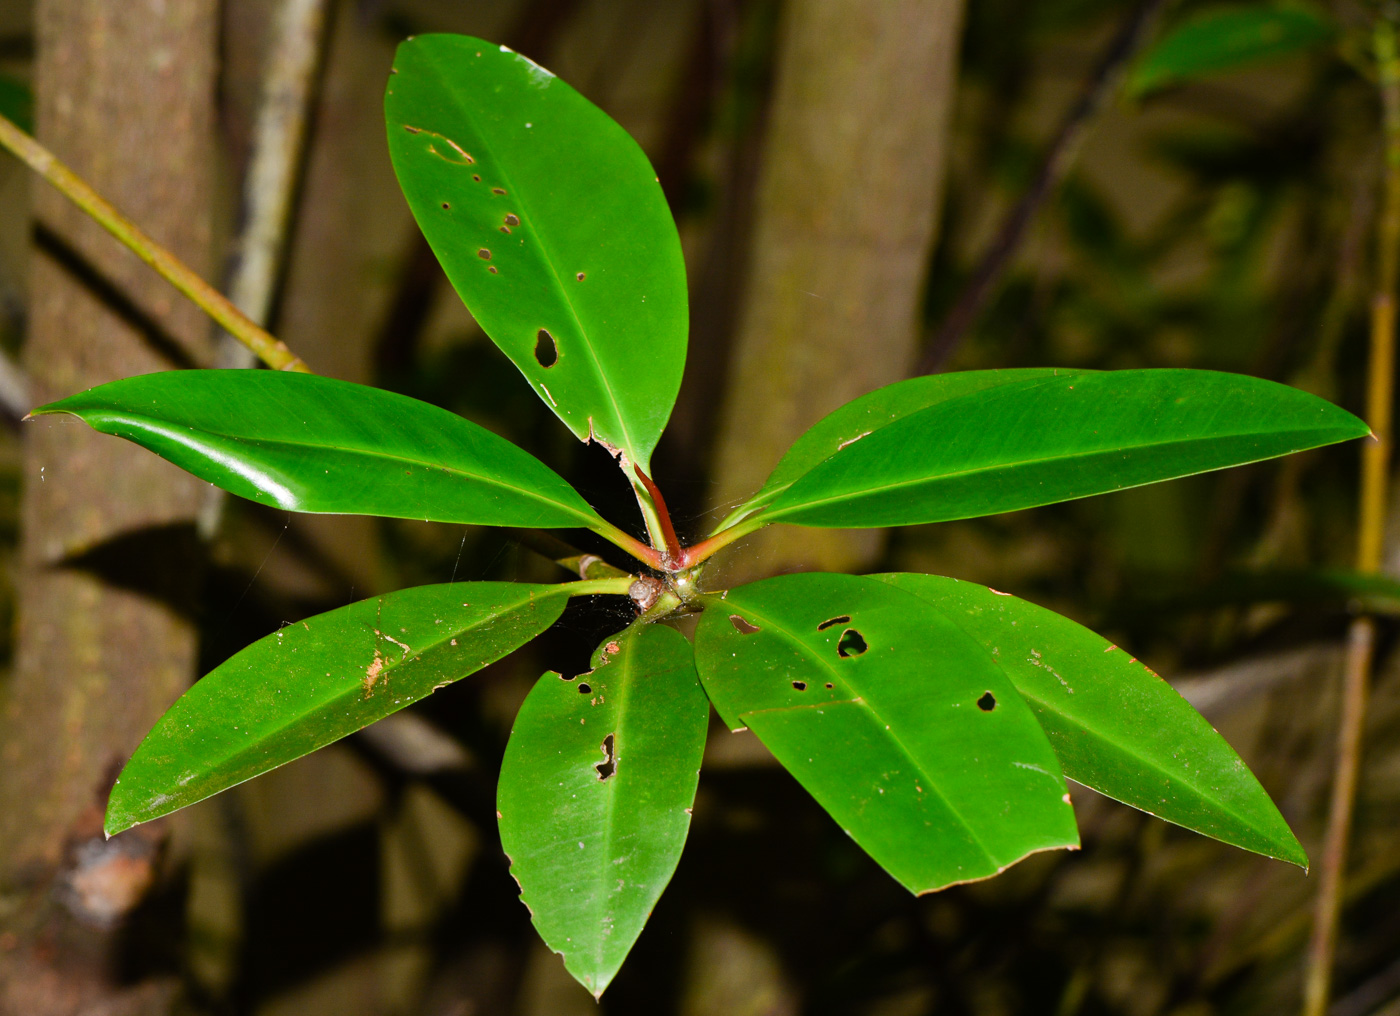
x,y
846,216
125,96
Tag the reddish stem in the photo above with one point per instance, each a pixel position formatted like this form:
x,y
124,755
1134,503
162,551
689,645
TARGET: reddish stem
x,y
671,552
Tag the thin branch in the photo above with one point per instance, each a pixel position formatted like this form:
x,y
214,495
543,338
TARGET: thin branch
x,y
1370,542
279,139
1058,158
271,351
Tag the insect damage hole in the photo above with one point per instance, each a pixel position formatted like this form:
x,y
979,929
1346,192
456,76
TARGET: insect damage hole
x,y
608,766
741,626
546,350
843,619
512,219
851,643
987,702
585,689
484,254
799,685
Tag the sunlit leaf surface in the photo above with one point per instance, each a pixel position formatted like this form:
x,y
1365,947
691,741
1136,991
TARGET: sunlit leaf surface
x,y
895,720
861,417
595,795
314,444
314,681
548,219
1044,440
1116,726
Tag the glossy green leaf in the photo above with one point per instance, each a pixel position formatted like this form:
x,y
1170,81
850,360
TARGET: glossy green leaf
x,y
1116,726
313,444
893,718
1227,39
595,794
1039,441
548,219
314,681
861,417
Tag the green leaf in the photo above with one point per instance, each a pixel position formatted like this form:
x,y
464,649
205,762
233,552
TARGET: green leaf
x,y
314,681
861,417
1044,440
1326,589
313,444
894,719
1227,39
596,789
548,219
1116,726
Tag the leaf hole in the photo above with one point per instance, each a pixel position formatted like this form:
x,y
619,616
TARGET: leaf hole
x,y
498,190
843,619
493,269
580,276
546,351
484,254
445,206
829,686
800,685
512,219
987,702
505,229
476,177
567,677
608,766
851,643
585,688
741,626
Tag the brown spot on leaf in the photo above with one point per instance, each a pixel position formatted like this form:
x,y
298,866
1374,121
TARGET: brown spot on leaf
x,y
484,254
512,219
843,619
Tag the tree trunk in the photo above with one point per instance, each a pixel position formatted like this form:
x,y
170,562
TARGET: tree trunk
x,y
125,96
846,216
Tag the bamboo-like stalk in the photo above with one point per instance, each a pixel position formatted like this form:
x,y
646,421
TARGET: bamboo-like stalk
x,y
269,349
1370,542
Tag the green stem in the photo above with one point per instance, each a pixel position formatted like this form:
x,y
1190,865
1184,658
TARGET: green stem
x,y
599,587
271,351
647,555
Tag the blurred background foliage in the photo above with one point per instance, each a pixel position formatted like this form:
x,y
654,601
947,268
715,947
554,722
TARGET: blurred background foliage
x,y
1218,211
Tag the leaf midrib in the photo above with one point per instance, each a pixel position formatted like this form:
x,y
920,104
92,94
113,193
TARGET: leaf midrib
x,y
824,665
548,259
610,805
775,513
455,471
